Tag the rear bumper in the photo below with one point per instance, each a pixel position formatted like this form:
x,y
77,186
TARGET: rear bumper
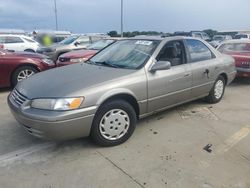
x,y
56,126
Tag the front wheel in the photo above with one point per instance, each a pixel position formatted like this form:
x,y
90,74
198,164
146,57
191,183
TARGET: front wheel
x,y
114,123
22,73
217,91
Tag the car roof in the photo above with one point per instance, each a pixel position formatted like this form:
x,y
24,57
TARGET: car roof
x,y
159,38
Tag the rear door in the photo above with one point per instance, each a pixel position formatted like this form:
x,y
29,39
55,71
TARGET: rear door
x,y
204,66
14,43
170,87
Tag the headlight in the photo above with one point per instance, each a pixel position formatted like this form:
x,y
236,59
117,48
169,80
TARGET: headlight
x,y
48,61
61,104
78,60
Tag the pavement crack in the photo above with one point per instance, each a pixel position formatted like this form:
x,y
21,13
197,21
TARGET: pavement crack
x,y
119,168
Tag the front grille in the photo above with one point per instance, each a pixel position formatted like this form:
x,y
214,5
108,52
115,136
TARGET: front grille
x,y
64,59
17,97
245,64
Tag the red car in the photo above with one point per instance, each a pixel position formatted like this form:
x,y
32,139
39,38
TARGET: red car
x,y
240,51
15,66
79,56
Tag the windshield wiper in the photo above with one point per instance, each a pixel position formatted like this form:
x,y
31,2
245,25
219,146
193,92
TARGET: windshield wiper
x,y
104,63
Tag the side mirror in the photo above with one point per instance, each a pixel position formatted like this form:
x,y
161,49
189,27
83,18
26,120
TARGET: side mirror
x,y
76,43
160,65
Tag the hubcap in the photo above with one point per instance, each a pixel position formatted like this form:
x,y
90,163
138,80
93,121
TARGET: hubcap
x,y
24,74
114,124
218,89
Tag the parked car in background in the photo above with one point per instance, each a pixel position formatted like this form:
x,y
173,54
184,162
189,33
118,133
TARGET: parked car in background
x,y
79,56
18,43
16,66
128,80
242,36
74,42
195,34
240,51
217,39
56,36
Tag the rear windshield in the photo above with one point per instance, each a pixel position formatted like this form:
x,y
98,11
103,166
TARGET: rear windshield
x,y
240,37
235,47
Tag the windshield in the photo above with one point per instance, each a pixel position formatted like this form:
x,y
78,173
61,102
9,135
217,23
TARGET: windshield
x,y
235,47
131,54
219,38
100,44
69,40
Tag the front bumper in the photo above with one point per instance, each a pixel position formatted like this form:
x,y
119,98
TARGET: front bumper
x,y
52,125
243,72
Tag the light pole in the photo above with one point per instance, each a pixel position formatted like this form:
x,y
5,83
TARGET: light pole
x,y
121,18
56,14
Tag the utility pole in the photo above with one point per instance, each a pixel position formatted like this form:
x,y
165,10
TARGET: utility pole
x,y
56,14
121,18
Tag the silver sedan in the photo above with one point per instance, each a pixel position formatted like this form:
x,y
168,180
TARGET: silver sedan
x,y
131,79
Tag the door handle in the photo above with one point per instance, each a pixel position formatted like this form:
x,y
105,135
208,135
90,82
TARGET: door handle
x,y
207,72
187,74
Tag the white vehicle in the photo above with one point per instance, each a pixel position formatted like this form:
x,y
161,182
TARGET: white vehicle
x,y
18,43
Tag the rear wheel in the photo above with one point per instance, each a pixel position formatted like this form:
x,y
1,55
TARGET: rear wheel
x,y
22,73
114,123
217,91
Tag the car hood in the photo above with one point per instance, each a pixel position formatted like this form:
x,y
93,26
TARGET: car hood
x,y
69,81
79,54
29,55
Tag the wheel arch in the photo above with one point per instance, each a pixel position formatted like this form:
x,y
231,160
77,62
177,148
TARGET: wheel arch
x,y
224,75
23,65
125,95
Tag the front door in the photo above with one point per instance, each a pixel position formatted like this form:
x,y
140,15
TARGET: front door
x,y
169,87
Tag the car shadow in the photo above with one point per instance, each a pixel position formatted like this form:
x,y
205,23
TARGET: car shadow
x,y
240,82
5,90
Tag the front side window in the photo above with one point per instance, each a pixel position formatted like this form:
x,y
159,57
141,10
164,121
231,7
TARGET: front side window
x,y
198,50
13,40
173,52
29,40
235,47
69,40
130,54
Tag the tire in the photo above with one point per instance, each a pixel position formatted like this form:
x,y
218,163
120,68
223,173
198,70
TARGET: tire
x,y
105,125
216,96
29,50
23,71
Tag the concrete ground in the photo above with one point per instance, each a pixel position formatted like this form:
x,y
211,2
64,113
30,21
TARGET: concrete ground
x,y
166,150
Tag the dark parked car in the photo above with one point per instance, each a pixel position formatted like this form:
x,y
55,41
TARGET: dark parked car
x,y
16,66
79,56
128,80
240,51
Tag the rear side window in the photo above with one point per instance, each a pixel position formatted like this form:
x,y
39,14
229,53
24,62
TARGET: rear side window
x,y
2,40
198,51
234,47
13,40
83,40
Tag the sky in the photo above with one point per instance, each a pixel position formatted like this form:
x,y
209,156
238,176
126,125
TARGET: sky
x,y
85,16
